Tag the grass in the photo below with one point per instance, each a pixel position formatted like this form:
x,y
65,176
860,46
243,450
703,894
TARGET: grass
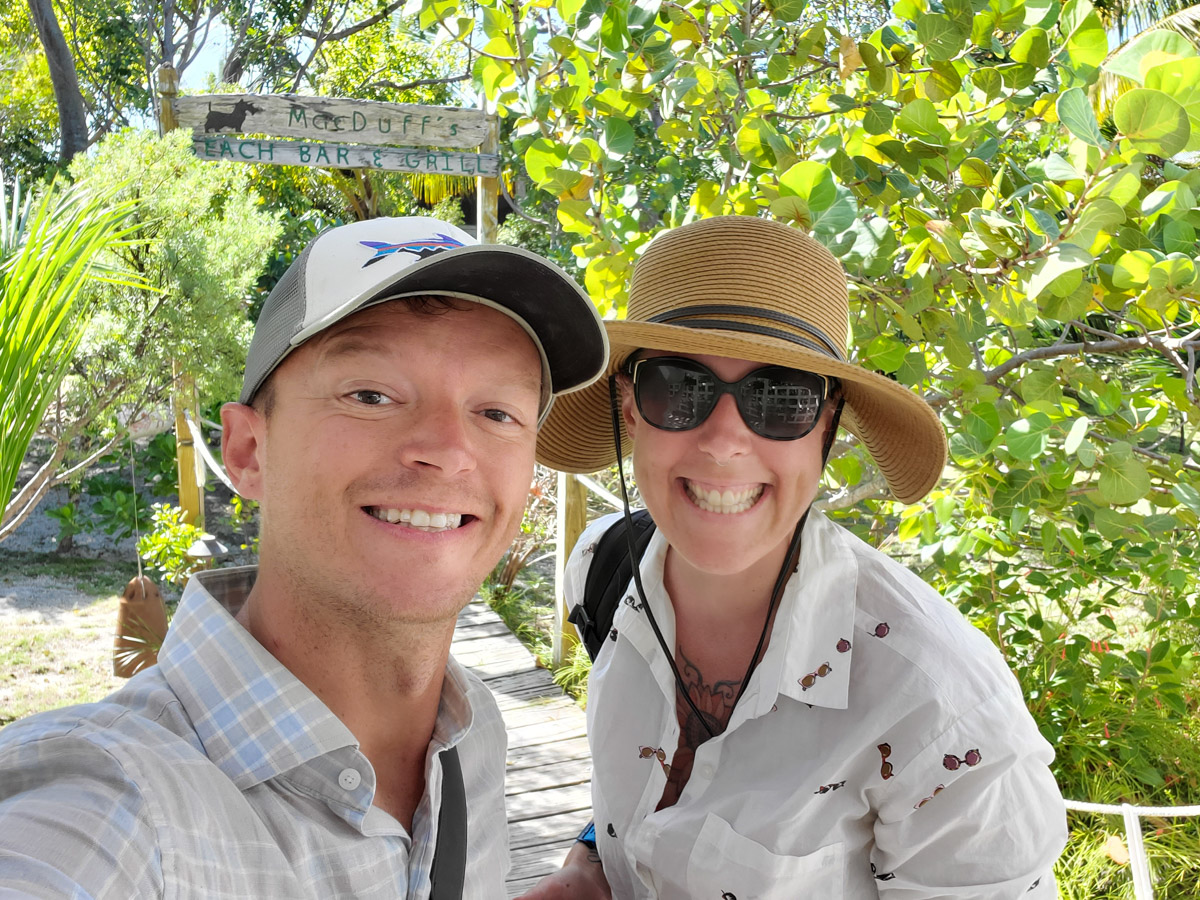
x,y
94,577
56,659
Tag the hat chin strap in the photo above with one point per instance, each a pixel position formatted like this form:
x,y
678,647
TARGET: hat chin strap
x,y
791,562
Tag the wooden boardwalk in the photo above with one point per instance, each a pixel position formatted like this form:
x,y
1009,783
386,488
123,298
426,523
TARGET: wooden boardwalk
x,y
548,787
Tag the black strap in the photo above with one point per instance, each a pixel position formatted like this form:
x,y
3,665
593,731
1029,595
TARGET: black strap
x,y
450,855
607,577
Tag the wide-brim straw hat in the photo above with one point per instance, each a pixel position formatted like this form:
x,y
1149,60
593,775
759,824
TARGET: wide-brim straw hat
x,y
749,288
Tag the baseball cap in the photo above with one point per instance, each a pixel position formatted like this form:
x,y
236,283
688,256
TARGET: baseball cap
x,y
350,267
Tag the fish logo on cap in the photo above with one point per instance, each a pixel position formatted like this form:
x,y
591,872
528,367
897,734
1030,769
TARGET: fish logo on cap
x,y
419,248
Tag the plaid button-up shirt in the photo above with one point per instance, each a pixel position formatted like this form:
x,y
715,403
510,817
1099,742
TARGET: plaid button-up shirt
x,y
218,774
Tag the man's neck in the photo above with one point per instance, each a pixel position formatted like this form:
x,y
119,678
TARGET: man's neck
x,y
384,682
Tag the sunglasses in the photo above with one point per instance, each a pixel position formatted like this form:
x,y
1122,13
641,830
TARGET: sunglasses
x,y
952,762
656,753
677,394
885,767
811,678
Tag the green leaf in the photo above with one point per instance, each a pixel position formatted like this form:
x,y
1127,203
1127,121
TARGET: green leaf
x,y
1032,47
878,118
886,353
543,157
754,143
990,81
1087,45
1062,259
614,29
1179,237
787,10
1123,478
942,36
975,173
1026,438
1132,270
1075,112
810,181
1188,496
618,137
1079,430
919,117
1153,121
1148,49
1181,81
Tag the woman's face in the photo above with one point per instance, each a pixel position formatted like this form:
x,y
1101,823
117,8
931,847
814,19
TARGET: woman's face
x,y
727,499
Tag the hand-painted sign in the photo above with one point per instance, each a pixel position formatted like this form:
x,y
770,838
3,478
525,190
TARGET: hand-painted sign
x,y
331,118
346,156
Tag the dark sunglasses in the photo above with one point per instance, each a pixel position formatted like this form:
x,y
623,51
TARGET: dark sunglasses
x,y
775,402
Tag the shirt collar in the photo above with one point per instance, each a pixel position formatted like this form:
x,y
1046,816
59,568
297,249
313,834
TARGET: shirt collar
x,y
815,625
255,719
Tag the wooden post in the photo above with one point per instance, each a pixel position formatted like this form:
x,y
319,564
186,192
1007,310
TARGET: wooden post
x,y
187,460
572,519
183,397
168,89
487,190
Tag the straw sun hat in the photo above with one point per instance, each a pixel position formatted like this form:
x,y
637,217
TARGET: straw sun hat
x,y
749,288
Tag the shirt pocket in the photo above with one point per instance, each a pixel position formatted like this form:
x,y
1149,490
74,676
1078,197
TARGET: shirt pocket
x,y
725,865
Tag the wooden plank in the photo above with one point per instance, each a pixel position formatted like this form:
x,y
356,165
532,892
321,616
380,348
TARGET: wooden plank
x,y
344,156
559,773
332,118
540,804
548,830
552,751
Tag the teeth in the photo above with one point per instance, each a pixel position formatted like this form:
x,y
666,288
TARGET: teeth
x,y
725,502
421,519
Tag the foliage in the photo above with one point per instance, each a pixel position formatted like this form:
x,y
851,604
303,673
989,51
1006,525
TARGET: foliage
x,y
51,246
155,464
165,546
538,527
244,520
69,522
117,508
1028,267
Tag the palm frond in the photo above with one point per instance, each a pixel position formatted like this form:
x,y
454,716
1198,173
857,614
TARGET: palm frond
x,y
50,246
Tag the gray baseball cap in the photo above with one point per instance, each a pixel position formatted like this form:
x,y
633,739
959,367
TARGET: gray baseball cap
x,y
353,266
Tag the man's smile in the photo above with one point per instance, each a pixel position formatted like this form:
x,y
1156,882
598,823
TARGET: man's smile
x,y
420,519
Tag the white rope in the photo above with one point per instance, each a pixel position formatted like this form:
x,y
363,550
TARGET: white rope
x,y
1143,887
1164,812
198,443
600,492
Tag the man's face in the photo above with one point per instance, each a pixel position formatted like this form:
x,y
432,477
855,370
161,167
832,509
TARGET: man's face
x,y
395,462
727,499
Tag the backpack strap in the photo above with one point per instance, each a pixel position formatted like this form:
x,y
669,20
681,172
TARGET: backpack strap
x,y
449,869
607,577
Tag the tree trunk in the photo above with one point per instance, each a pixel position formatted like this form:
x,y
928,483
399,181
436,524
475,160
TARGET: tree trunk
x,y
72,114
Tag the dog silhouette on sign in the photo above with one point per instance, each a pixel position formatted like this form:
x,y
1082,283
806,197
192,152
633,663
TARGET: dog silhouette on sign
x,y
218,120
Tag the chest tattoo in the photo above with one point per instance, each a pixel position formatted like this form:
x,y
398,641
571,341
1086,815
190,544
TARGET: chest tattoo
x,y
715,702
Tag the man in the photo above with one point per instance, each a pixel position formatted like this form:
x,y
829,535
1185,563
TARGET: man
x,y
303,731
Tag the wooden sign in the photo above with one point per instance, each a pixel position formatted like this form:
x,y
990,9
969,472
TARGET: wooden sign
x,y
347,156
331,118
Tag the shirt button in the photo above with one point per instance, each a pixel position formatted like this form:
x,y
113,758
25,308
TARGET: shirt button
x,y
707,770
349,779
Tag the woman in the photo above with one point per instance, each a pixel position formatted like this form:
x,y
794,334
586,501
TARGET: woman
x,y
780,710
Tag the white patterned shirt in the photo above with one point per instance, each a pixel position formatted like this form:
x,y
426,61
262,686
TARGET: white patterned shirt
x,y
881,749
218,774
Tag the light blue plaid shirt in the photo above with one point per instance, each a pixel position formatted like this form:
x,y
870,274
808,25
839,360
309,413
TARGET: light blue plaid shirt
x,y
217,774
